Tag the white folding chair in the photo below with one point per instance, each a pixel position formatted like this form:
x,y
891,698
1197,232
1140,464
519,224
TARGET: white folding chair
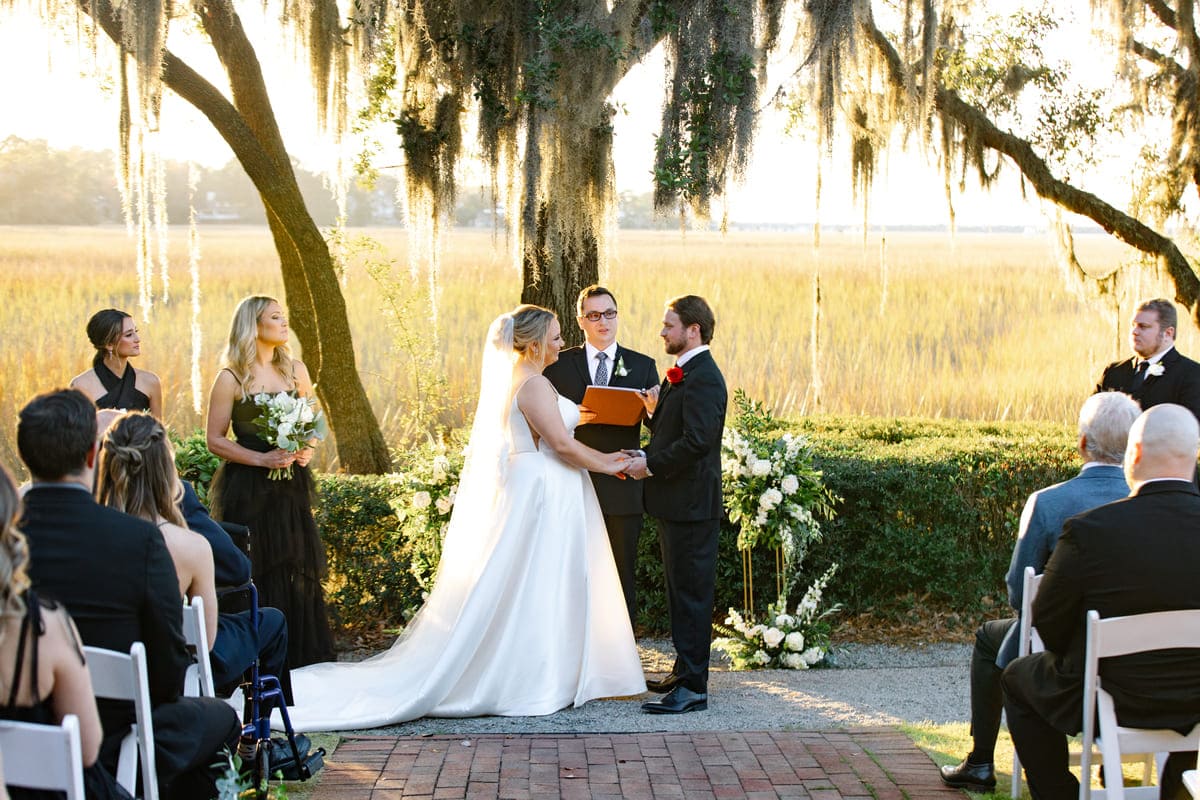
x,y
1191,779
43,756
198,680
1029,642
1119,636
118,676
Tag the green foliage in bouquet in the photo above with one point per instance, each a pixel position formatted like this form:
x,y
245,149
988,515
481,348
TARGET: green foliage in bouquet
x,y
772,490
782,640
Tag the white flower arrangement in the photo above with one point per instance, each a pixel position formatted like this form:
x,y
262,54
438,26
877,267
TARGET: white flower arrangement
x,y
792,641
431,479
289,422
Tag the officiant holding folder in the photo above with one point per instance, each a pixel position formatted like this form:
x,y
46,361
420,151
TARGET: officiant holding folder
x,y
602,362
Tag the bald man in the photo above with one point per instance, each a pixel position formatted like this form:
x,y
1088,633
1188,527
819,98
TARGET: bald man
x,y
1134,556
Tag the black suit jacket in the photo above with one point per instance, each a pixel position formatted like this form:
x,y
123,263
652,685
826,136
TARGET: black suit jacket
x,y
116,578
684,453
571,378
1179,383
1134,556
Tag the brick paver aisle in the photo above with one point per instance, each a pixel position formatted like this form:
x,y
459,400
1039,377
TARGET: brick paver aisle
x,y
841,765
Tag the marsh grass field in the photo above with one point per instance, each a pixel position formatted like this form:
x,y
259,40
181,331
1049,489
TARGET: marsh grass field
x,y
978,327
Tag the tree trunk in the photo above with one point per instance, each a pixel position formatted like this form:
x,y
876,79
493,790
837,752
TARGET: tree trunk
x,y
313,295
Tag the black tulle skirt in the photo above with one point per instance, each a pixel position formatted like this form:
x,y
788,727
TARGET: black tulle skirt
x,y
285,548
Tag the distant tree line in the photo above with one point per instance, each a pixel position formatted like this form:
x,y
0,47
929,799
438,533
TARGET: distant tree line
x,y
40,185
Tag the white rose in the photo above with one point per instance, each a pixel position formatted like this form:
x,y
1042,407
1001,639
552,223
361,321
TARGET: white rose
x,y
760,468
444,504
284,430
772,637
760,657
421,500
770,499
793,661
789,484
813,655
785,621
306,413
794,641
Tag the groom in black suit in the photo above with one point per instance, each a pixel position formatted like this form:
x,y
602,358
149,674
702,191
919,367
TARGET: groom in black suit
x,y
601,361
1157,373
682,465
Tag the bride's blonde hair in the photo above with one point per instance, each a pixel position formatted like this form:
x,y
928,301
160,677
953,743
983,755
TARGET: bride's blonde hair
x,y
531,325
242,349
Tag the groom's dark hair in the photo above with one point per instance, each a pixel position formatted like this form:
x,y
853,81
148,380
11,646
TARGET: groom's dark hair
x,y
692,310
595,290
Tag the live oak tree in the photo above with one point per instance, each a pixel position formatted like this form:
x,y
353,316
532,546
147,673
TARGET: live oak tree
x,y
246,121
983,93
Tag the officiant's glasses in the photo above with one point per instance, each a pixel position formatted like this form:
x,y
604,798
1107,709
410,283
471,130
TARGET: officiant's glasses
x,y
594,316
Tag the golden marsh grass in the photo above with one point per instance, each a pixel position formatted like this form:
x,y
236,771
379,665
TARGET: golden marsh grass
x,y
981,328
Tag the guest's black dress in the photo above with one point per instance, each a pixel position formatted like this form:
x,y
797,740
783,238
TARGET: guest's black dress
x,y
286,550
98,783
121,392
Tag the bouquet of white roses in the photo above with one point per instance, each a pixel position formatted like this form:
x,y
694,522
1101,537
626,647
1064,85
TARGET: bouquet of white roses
x,y
770,485
288,422
782,640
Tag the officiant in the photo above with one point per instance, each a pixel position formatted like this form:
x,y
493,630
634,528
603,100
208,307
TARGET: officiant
x,y
600,361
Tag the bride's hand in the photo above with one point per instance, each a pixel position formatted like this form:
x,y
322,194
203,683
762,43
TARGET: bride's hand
x,y
615,463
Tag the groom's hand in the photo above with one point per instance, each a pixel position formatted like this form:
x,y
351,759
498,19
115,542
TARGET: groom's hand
x,y
637,468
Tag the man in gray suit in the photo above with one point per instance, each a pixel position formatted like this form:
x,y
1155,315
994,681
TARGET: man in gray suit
x,y
1104,423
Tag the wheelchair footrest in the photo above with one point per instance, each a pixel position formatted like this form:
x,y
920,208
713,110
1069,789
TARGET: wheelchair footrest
x,y
310,764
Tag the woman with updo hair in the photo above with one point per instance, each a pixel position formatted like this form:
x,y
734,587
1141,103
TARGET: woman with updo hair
x,y
526,615
137,476
43,676
112,382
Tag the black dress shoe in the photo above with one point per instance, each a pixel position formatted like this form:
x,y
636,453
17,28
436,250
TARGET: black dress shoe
x,y
681,700
973,777
664,685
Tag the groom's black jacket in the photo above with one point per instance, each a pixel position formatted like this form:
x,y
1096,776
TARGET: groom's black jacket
x,y
571,378
684,452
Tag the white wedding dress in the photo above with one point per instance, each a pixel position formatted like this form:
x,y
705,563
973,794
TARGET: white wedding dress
x,y
526,615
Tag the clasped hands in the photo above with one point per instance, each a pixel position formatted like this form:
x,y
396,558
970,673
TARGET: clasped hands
x,y
627,464
281,459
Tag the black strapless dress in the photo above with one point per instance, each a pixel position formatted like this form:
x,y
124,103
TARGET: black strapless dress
x,y
122,392
286,549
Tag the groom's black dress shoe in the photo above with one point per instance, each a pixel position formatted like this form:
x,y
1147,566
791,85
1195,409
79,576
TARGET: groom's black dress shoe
x,y
680,701
664,685
974,777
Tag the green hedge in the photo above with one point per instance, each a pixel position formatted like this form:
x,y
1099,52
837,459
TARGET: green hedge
x,y
928,515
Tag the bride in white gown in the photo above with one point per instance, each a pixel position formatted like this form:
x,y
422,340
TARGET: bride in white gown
x,y
526,615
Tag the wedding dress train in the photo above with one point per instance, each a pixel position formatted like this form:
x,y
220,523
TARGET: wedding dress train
x,y
526,615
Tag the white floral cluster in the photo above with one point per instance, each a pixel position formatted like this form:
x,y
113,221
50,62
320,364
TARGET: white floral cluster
x,y
781,640
442,486
288,422
763,490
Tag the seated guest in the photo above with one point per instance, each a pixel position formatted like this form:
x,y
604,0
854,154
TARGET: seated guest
x,y
41,658
114,574
1104,423
1134,556
137,475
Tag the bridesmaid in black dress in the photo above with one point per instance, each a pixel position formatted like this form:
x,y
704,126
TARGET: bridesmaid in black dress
x,y
286,549
112,381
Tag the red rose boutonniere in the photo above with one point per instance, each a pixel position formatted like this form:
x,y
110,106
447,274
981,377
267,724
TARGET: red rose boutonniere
x,y
675,375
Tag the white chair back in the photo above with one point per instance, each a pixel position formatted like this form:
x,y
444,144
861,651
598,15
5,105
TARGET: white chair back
x,y
1027,642
1120,636
43,756
198,680
118,676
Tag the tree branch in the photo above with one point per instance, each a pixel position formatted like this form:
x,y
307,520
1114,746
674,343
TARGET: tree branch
x,y
981,129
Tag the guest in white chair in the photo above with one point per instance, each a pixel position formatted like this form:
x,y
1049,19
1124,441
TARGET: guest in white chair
x,y
1104,423
1134,556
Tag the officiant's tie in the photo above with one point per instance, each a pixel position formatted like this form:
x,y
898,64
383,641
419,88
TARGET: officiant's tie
x,y
1139,375
601,370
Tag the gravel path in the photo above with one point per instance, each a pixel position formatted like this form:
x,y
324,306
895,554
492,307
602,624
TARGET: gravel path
x,y
866,685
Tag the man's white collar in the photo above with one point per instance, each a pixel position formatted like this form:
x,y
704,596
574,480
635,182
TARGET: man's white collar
x,y
689,355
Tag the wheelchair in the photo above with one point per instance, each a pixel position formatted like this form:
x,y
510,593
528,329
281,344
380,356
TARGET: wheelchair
x,y
262,692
